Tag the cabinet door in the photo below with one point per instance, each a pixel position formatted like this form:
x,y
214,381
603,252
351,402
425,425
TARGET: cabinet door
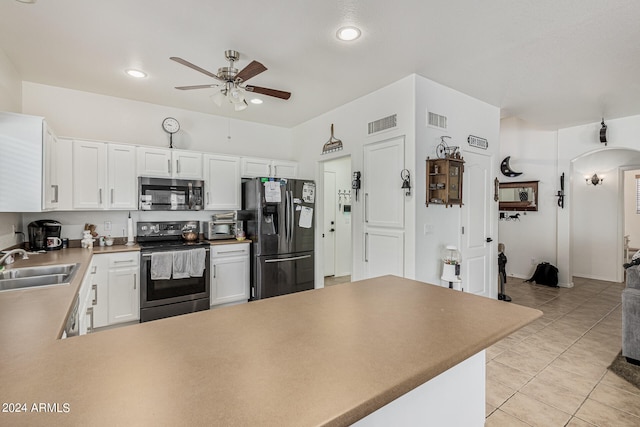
x,y
64,164
50,185
121,171
383,252
89,175
124,295
222,182
187,165
154,162
230,279
254,168
99,291
285,169
383,195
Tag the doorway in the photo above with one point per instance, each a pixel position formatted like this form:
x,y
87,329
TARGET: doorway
x,y
336,227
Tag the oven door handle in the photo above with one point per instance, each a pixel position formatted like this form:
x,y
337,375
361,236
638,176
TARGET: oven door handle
x,y
148,255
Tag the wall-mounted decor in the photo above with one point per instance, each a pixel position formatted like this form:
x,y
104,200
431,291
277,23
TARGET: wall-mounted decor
x,y
333,144
406,181
444,151
476,141
594,179
518,196
603,133
444,181
506,170
560,194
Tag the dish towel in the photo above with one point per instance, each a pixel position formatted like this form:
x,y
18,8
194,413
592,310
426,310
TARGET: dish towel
x,y
161,265
197,258
181,264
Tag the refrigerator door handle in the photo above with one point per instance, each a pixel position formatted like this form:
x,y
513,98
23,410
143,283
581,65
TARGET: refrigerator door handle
x,y
287,259
286,215
291,220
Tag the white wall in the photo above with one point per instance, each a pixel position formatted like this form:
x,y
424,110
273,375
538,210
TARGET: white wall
x,y
573,143
532,239
631,218
350,124
85,115
10,100
466,116
342,169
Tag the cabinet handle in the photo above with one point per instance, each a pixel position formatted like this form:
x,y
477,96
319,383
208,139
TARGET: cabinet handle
x,y
134,281
90,314
275,170
207,197
55,192
94,288
123,261
169,166
214,271
178,166
112,196
230,252
94,269
100,195
366,211
366,247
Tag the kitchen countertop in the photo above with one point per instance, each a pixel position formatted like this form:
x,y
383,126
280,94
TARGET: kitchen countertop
x,y
323,357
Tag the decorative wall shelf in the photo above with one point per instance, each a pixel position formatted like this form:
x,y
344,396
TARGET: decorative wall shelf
x,y
444,181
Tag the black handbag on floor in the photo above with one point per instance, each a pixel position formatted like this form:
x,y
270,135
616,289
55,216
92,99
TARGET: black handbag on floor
x,y
545,274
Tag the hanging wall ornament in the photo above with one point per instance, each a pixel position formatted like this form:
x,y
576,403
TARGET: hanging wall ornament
x,y
506,169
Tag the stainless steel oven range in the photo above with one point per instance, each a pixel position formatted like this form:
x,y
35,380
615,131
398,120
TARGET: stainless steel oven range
x,y
174,272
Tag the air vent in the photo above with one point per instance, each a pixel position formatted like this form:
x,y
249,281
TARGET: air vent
x,y
383,124
437,120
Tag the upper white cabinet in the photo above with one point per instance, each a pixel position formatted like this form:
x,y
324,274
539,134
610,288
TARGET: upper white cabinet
x,y
167,163
89,174
253,167
104,176
27,171
121,176
223,187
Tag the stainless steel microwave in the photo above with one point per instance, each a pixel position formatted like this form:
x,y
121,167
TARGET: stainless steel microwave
x,y
164,194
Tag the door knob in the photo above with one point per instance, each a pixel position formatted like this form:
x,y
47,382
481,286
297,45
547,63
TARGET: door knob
x,y
489,240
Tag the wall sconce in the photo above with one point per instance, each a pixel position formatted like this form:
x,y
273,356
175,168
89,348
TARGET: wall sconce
x,y
406,181
595,179
603,133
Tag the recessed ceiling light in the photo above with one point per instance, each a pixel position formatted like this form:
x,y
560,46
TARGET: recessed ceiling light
x,y
256,101
136,73
348,34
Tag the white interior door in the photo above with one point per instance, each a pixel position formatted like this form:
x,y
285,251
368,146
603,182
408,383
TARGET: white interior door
x,y
479,247
329,227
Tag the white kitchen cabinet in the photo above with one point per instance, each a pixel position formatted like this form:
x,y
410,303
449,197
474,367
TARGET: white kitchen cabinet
x,y
229,273
223,187
253,167
168,163
383,252
124,287
122,179
89,174
28,169
64,165
104,176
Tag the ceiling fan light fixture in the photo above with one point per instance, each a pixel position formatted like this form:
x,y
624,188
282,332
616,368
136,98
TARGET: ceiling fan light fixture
x,y
235,95
219,97
348,33
240,105
135,73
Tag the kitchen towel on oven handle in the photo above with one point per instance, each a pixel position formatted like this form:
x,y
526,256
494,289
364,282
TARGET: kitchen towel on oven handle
x,y
181,261
197,261
161,263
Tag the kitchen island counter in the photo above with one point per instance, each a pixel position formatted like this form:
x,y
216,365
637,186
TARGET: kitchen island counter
x,y
323,357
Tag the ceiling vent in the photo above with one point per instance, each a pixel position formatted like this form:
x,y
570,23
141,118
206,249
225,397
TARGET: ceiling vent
x,y
383,124
436,120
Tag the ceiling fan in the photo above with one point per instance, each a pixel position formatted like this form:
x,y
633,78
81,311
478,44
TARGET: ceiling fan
x,y
230,85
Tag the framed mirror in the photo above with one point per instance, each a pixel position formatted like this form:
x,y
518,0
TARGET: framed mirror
x,y
518,196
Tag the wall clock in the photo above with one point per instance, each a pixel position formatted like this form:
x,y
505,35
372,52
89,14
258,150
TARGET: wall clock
x,y
171,126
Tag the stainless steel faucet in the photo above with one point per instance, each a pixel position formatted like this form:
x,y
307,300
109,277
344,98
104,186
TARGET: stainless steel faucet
x,y
9,255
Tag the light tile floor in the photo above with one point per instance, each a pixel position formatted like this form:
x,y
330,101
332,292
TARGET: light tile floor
x,y
553,372
333,280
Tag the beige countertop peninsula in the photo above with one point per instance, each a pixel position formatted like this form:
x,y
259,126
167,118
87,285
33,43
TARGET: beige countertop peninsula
x,y
322,357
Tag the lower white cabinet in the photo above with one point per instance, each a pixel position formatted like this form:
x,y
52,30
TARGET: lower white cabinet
x,y
383,252
124,287
229,273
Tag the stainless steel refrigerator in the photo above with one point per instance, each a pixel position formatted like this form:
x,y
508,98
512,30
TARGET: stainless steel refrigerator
x,y
280,217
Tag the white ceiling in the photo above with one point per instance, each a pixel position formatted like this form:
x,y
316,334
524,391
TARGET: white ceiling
x,y
554,63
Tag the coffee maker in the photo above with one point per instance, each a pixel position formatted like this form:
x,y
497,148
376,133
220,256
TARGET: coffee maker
x,y
44,234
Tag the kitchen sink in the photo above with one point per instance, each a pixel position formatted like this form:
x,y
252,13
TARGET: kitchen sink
x,y
28,277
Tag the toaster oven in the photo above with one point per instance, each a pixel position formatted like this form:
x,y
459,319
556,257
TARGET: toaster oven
x,y
222,226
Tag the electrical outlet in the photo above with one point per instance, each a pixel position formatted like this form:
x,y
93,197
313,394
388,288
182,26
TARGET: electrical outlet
x,y
107,226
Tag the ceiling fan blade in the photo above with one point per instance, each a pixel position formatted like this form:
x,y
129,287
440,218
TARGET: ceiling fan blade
x,y
195,87
251,70
270,92
195,67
